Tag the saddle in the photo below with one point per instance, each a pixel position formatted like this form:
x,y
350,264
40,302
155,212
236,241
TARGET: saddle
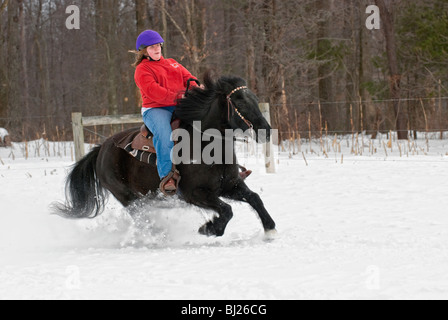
x,y
144,141
140,145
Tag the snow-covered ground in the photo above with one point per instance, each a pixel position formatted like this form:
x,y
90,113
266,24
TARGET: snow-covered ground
x,y
365,226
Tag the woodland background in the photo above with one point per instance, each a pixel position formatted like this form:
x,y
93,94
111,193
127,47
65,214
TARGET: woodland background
x,y
314,61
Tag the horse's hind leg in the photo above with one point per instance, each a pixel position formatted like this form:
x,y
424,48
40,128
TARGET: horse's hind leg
x,y
208,200
241,192
120,191
116,171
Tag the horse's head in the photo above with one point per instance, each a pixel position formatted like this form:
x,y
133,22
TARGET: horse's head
x,y
240,107
224,103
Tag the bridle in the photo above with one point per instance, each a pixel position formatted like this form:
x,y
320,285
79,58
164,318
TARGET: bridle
x,y
231,104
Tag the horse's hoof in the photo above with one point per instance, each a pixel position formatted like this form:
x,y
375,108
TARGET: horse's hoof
x,y
270,234
208,230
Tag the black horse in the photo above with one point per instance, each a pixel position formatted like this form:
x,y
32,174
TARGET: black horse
x,y
225,103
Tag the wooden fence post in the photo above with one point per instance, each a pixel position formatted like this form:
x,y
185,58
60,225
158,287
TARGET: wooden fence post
x,y
268,147
78,135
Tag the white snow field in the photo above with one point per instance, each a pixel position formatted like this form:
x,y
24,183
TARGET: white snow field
x,y
351,225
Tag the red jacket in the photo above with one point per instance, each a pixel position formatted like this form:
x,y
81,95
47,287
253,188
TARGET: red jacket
x,y
161,82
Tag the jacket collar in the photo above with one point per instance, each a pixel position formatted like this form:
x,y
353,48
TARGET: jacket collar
x,y
150,60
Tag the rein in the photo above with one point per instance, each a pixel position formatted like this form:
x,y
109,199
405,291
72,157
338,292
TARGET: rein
x,y
231,104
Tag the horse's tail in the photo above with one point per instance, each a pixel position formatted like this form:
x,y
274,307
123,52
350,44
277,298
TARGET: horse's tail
x,y
85,197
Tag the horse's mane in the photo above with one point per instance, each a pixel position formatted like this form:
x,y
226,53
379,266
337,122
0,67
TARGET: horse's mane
x,y
196,105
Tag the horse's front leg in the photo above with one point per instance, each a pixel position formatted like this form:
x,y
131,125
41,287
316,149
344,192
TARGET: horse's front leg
x,y
208,200
241,192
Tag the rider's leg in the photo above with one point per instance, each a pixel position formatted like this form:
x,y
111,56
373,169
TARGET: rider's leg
x,y
158,120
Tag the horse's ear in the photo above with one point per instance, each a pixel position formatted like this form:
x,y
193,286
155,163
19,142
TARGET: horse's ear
x,y
210,78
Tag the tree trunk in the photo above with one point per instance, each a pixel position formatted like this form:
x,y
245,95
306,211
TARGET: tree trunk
x,y
24,61
42,68
250,47
142,23
352,30
13,96
141,10
329,111
3,72
394,70
372,112
164,27
106,30
190,15
3,6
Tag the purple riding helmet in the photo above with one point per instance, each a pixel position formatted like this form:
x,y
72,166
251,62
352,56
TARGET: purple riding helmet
x,y
148,38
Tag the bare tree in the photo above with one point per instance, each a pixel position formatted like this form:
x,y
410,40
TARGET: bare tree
x,y
387,12
164,26
192,27
24,58
106,31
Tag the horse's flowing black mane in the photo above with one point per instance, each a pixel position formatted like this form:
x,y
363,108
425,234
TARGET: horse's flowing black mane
x,y
196,105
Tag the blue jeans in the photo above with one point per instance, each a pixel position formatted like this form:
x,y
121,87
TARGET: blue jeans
x,y
158,120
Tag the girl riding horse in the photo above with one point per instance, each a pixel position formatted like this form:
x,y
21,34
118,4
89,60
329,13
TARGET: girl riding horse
x,y
162,83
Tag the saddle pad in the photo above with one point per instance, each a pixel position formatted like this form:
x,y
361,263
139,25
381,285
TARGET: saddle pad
x,y
126,141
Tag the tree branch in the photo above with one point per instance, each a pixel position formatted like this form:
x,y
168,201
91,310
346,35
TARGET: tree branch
x,y
176,25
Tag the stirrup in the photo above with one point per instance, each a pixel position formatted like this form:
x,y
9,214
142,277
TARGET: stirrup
x,y
176,177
